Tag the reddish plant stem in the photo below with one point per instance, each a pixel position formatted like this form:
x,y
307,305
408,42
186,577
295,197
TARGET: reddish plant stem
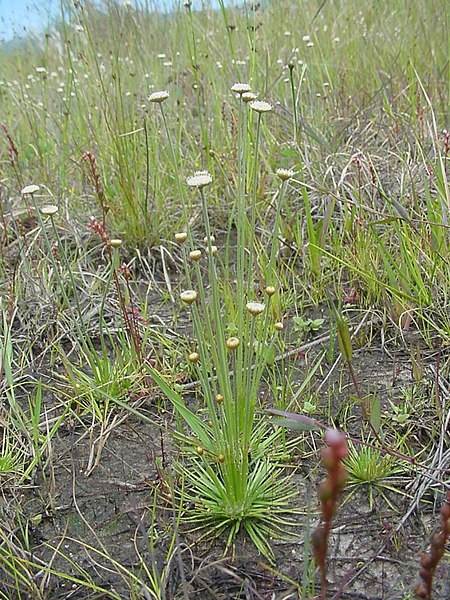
x,y
130,322
430,561
98,186
329,492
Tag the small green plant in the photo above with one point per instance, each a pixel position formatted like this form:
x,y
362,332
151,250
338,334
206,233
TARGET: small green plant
x,y
13,455
373,469
234,478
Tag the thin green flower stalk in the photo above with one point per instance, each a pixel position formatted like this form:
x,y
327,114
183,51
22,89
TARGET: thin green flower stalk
x,y
271,275
233,479
243,227
50,211
201,105
260,107
159,98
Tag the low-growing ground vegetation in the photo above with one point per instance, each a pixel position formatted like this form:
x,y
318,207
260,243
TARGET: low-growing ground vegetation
x,y
224,237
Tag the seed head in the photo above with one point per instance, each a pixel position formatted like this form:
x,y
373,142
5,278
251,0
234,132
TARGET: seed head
x,y
115,243
270,290
195,255
240,88
181,237
255,308
221,458
278,326
200,451
205,239
260,106
219,398
188,296
158,97
49,210
232,343
214,250
285,174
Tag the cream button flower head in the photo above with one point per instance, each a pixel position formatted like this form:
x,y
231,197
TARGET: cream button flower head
x,y
248,97
260,106
255,308
285,174
49,210
181,237
240,88
158,97
199,179
30,189
195,255
188,296
232,343
194,357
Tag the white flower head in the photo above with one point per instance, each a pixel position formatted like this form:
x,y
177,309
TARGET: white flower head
x,y
30,189
199,179
255,308
49,210
195,255
260,106
181,237
158,97
285,174
188,296
240,88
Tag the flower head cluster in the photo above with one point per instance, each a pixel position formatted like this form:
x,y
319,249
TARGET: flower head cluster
x,y
255,308
248,97
240,88
232,343
49,210
158,97
195,255
260,106
199,179
188,296
181,237
30,189
285,174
